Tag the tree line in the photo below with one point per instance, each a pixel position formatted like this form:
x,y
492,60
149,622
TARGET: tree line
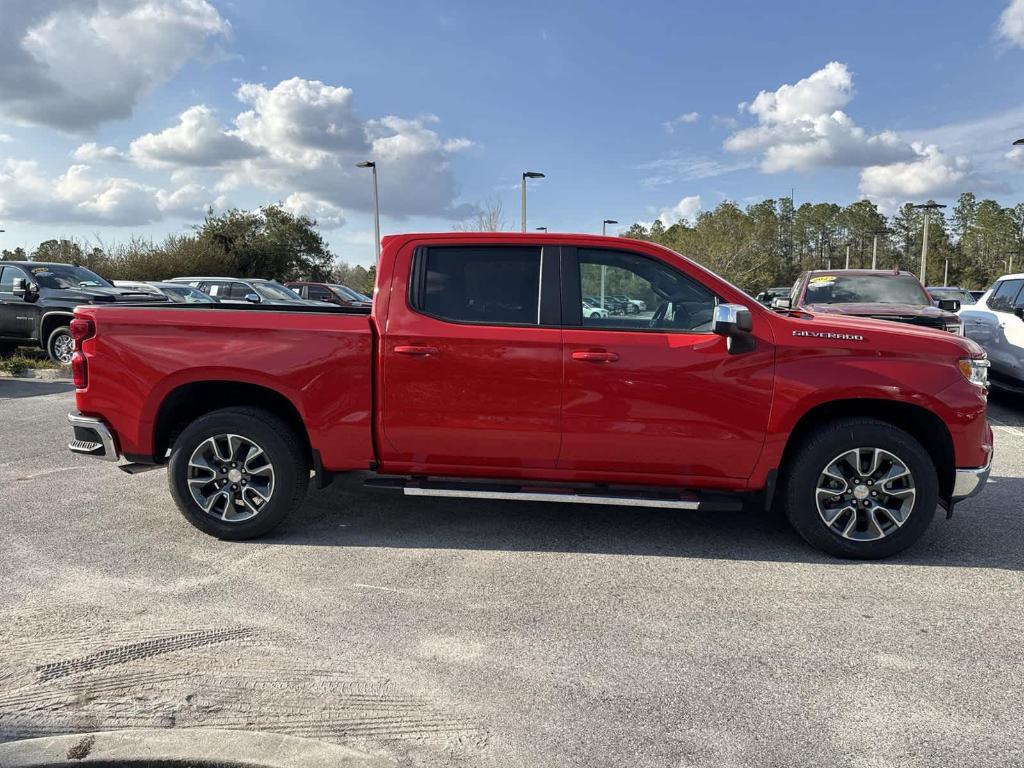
x,y
268,243
770,243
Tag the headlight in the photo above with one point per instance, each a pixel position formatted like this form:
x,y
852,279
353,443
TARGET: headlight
x,y
956,328
975,370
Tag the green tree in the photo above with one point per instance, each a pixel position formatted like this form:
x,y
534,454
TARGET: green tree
x,y
18,254
270,242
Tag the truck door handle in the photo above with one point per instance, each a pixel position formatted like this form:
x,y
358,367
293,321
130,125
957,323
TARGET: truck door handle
x,y
411,349
595,356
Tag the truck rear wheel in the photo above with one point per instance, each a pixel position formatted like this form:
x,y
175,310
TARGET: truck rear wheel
x,y
60,346
237,473
861,488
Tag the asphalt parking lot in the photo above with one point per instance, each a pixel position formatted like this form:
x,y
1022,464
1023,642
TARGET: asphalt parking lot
x,y
440,632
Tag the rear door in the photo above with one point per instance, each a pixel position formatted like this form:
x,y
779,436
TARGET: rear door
x,y
995,326
472,359
656,393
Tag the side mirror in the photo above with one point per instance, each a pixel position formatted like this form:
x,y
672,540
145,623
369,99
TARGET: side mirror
x,y
949,305
20,286
1019,312
782,302
253,298
734,322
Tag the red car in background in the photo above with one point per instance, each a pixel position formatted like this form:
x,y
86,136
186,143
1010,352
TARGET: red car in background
x,y
877,294
333,293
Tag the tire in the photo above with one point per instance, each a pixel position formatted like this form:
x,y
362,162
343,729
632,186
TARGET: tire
x,y
264,499
60,345
874,532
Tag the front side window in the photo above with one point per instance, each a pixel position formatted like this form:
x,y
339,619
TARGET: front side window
x,y
317,293
483,285
7,276
1004,295
639,293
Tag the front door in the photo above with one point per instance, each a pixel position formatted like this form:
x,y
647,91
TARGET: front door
x,y
472,359
656,393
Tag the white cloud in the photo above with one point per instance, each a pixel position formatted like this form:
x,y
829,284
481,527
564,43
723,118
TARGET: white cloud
x,y
1016,156
930,173
801,126
92,152
685,210
6,138
688,117
74,196
1011,23
680,166
327,215
73,64
197,140
188,200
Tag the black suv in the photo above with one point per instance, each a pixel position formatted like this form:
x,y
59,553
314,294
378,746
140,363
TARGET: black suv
x,y
37,301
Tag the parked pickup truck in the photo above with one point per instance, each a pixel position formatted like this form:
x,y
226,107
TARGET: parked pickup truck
x,y
477,375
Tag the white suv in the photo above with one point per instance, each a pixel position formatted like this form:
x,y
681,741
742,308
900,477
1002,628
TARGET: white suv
x,y
997,323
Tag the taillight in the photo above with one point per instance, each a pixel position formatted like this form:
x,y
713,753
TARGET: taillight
x,y
79,370
81,328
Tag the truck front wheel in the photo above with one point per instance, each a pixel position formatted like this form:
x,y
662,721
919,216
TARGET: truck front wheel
x,y
237,473
860,488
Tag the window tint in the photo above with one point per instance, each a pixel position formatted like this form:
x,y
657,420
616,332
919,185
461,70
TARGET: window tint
x,y
638,293
239,291
317,293
480,285
1004,296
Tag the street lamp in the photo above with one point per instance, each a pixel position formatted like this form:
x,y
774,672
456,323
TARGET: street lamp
x,y
527,175
604,225
927,208
376,205
542,229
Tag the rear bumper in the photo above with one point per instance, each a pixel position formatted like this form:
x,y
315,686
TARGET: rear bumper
x,y
970,482
92,438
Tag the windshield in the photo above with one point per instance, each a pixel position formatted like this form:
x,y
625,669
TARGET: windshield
x,y
865,289
67,276
348,294
269,289
964,297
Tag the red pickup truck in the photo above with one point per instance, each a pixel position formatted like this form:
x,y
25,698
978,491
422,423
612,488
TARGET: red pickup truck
x,y
476,374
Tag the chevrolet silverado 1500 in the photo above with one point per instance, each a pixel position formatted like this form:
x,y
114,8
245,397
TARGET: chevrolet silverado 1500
x,y
476,374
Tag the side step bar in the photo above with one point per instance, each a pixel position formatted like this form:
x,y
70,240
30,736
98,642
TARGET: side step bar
x,y
664,498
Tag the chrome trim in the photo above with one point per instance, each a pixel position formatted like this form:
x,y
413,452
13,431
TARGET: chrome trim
x,y
564,498
971,482
102,432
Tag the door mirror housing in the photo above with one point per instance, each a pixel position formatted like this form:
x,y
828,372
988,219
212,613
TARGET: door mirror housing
x,y
734,322
253,298
782,302
1019,312
20,286
949,305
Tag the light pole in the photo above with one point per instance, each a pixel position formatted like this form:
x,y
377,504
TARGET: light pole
x,y
527,175
847,256
376,206
604,226
927,208
874,248
542,229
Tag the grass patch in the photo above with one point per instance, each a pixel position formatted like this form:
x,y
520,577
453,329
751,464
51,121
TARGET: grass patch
x,y
25,359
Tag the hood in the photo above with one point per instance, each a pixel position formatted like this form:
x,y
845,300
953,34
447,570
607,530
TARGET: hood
x,y
877,332
881,310
102,295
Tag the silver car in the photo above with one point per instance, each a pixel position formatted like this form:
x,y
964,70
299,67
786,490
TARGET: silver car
x,y
996,322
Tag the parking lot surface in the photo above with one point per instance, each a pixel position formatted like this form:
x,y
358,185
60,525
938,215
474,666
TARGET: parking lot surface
x,y
444,632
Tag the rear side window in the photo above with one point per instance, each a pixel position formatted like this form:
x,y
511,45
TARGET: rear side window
x,y
481,285
239,291
317,293
1003,298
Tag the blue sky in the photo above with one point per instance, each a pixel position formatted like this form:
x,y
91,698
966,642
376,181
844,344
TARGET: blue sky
x,y
122,118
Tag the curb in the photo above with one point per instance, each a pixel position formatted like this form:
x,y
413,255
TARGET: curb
x,y
181,747
45,374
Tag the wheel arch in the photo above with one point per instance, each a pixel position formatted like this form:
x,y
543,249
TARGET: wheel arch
x,y
188,402
51,321
927,428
